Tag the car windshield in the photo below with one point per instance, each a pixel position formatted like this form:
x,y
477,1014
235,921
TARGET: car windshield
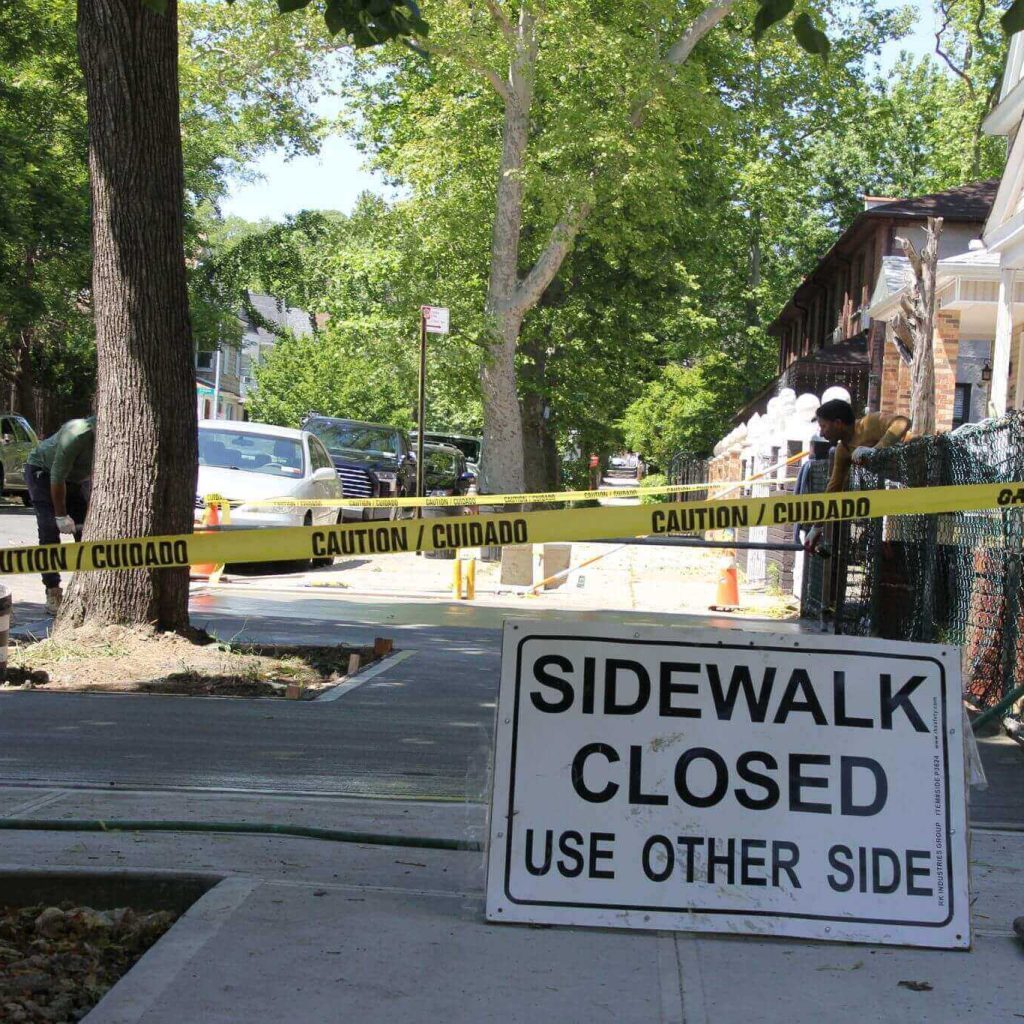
x,y
469,446
338,436
251,453
441,464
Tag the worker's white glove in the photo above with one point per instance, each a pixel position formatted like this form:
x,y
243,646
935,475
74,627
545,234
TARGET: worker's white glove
x,y
65,524
812,539
860,453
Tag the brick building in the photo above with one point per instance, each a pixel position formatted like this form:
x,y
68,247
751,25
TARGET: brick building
x,y
969,296
827,336
835,341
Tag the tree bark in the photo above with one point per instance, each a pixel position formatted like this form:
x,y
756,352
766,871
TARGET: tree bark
x,y
26,384
539,449
503,470
917,322
144,476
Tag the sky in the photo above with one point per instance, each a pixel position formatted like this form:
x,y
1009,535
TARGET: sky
x,y
335,177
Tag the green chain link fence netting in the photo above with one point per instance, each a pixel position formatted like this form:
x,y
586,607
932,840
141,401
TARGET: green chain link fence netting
x,y
953,578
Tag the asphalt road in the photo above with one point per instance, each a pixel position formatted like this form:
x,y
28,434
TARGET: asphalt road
x,y
421,729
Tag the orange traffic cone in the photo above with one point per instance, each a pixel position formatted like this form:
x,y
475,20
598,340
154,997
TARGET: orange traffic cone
x,y
211,517
727,597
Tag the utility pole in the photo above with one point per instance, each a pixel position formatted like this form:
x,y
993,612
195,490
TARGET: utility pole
x,y
216,385
422,408
433,320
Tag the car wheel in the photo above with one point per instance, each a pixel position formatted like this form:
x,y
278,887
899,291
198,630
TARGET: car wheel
x,y
298,564
320,563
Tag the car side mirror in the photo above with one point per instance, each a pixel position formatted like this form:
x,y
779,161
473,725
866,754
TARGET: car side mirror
x,y
324,473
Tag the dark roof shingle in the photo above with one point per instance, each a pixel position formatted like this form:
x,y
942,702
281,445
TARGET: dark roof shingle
x,y
965,202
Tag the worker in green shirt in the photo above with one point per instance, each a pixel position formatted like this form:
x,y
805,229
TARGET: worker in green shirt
x,y
57,472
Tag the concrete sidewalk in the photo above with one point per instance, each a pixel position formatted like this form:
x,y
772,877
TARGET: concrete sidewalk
x,y
303,930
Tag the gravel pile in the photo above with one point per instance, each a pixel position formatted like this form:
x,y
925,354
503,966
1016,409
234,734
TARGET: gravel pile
x,y
57,962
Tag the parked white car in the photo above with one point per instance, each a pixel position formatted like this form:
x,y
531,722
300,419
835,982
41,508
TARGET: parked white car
x,y
247,462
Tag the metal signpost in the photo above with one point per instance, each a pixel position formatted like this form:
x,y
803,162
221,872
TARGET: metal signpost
x,y
433,320
729,781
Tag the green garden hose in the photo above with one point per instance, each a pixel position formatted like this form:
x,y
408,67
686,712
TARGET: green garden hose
x,y
239,828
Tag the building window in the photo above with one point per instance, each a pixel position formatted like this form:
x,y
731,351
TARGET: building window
x,y
204,360
961,405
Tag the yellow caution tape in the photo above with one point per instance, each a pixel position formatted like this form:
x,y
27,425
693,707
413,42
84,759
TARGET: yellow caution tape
x,y
475,500
503,528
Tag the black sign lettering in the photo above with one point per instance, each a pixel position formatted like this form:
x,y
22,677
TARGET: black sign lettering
x,y
720,787
766,782
655,847
556,683
798,782
901,700
579,763
667,688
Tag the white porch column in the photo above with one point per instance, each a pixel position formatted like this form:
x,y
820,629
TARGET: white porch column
x,y
1001,348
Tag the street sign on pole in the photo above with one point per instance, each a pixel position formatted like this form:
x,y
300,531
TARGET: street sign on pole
x,y
435,319
727,781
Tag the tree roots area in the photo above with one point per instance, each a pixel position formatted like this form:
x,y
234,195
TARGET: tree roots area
x,y
57,962
120,659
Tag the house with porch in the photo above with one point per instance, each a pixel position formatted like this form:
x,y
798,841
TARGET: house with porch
x,y
833,343
1004,237
826,334
979,338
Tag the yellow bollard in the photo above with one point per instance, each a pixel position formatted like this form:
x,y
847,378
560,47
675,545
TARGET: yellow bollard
x,y
471,580
457,578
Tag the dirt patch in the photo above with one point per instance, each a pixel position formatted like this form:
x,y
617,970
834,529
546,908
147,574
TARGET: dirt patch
x,y
118,659
57,962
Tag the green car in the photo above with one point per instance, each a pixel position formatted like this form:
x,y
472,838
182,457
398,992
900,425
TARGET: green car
x,y
17,439
469,446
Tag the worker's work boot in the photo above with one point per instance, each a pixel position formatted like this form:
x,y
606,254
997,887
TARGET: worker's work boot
x,y
54,596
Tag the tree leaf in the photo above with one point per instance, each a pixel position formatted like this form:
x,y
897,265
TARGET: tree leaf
x,y
285,6
160,6
810,37
336,18
770,12
1013,20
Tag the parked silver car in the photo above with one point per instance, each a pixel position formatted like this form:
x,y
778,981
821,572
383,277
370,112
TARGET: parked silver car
x,y
17,439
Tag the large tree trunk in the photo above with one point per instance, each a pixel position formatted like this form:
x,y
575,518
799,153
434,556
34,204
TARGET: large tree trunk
x,y
145,472
540,453
502,471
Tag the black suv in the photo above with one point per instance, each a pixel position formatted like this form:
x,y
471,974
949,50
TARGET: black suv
x,y
373,460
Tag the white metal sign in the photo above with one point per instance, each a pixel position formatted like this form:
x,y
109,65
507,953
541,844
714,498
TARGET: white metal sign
x,y
435,319
728,781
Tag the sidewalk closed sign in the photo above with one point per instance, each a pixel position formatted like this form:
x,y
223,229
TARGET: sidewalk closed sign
x,y
729,781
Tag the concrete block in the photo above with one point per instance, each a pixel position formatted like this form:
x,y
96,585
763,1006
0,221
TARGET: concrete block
x,y
517,565
555,558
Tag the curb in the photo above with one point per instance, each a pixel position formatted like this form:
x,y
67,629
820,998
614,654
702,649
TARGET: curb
x,y
348,685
